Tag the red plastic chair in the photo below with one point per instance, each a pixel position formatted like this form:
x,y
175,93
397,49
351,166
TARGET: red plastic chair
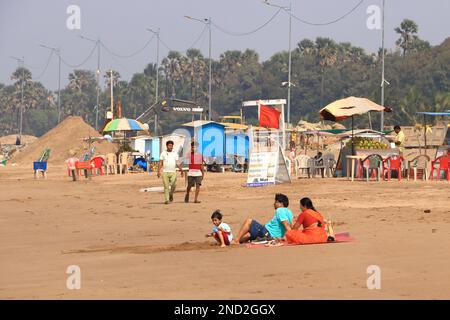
x,y
98,165
444,162
83,165
394,164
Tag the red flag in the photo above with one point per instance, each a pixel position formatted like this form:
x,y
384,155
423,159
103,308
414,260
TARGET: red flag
x,y
269,117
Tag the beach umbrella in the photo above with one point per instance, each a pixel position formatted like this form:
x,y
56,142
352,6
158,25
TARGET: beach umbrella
x,y
342,109
123,124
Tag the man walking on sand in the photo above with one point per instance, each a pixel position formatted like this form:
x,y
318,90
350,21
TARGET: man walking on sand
x,y
169,162
196,172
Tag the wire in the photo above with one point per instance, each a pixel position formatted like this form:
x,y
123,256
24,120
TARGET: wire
x,y
46,66
200,36
132,54
237,34
329,22
84,61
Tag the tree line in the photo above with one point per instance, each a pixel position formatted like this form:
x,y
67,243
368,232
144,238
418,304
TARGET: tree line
x,y
322,71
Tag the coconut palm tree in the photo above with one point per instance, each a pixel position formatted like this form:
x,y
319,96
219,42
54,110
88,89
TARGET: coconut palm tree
x,y
195,71
326,53
173,69
407,31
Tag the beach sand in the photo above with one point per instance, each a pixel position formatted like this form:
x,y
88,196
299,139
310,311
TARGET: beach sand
x,y
129,245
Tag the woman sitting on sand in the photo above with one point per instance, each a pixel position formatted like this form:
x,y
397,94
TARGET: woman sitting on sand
x,y
313,231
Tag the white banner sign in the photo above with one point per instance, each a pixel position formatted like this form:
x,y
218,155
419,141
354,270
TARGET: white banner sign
x,y
262,168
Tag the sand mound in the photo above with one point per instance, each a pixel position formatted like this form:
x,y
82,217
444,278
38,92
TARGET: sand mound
x,y
11,139
66,137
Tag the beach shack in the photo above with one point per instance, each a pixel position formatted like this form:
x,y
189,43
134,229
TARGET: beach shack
x,y
210,136
142,144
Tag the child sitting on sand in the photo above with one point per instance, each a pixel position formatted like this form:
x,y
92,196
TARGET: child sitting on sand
x,y
221,230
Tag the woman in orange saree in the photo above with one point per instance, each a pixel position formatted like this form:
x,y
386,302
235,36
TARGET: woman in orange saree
x,y
313,226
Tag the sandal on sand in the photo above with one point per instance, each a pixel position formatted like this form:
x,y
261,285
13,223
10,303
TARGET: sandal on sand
x,y
274,243
197,201
186,199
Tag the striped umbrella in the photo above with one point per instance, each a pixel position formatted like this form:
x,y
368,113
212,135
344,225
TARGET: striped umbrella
x,y
123,124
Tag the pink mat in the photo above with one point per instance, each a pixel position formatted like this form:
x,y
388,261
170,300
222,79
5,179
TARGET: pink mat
x,y
339,238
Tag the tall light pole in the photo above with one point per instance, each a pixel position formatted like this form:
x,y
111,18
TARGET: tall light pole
x,y
21,63
157,77
289,11
207,22
97,43
58,53
383,81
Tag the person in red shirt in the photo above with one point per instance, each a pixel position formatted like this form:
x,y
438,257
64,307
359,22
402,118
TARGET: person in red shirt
x,y
313,223
196,172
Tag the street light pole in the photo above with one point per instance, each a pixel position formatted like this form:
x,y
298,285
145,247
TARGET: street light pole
x,y
210,70
289,11
382,69
289,69
21,63
97,43
58,53
157,77
207,22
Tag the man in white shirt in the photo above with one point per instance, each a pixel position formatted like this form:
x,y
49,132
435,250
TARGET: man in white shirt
x,y
169,162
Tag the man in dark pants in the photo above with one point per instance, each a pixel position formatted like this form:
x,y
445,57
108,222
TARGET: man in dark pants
x,y
196,172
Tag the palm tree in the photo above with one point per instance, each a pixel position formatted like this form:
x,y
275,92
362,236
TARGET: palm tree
x,y
407,31
107,77
195,69
81,79
173,69
326,53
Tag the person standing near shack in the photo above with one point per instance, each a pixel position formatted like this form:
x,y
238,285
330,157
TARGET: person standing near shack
x,y
169,163
399,139
196,172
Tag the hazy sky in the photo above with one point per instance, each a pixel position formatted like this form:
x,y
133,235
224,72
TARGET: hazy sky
x,y
24,24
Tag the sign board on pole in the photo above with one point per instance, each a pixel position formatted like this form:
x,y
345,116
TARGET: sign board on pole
x,y
267,164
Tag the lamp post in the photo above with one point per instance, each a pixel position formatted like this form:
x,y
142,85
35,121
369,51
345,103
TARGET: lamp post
x,y
58,53
97,43
382,69
289,11
21,63
207,22
157,77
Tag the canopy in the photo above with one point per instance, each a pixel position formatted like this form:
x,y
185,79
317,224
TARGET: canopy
x,y
124,124
344,108
435,114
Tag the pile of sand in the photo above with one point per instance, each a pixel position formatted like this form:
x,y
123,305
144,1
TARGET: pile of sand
x,y
63,140
11,139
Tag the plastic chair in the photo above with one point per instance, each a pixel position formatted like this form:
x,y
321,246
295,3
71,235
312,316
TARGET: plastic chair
x,y
419,163
371,163
97,163
444,162
301,163
330,164
317,164
394,163
84,166
111,163
40,166
123,162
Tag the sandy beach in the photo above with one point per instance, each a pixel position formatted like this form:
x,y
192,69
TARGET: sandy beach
x,y
129,245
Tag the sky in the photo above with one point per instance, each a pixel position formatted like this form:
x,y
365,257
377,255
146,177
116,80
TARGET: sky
x,y
121,26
